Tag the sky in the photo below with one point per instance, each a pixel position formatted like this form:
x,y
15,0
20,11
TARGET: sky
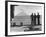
x,y
28,9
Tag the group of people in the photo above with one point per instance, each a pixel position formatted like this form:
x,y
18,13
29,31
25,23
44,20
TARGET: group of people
x,y
33,19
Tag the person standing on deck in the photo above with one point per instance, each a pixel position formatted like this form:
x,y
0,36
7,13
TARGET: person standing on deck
x,y
38,17
34,19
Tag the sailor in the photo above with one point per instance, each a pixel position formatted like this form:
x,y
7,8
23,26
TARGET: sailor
x,y
38,17
34,19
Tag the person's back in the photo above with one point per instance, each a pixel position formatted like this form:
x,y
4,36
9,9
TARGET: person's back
x,y
38,17
34,19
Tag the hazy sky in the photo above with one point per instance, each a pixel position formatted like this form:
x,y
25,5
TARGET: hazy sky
x,y
28,9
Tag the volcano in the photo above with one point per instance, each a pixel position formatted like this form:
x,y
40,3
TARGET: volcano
x,y
22,14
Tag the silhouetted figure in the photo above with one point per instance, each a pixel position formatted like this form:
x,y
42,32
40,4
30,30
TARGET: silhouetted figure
x,y
38,17
14,24
34,19
21,23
